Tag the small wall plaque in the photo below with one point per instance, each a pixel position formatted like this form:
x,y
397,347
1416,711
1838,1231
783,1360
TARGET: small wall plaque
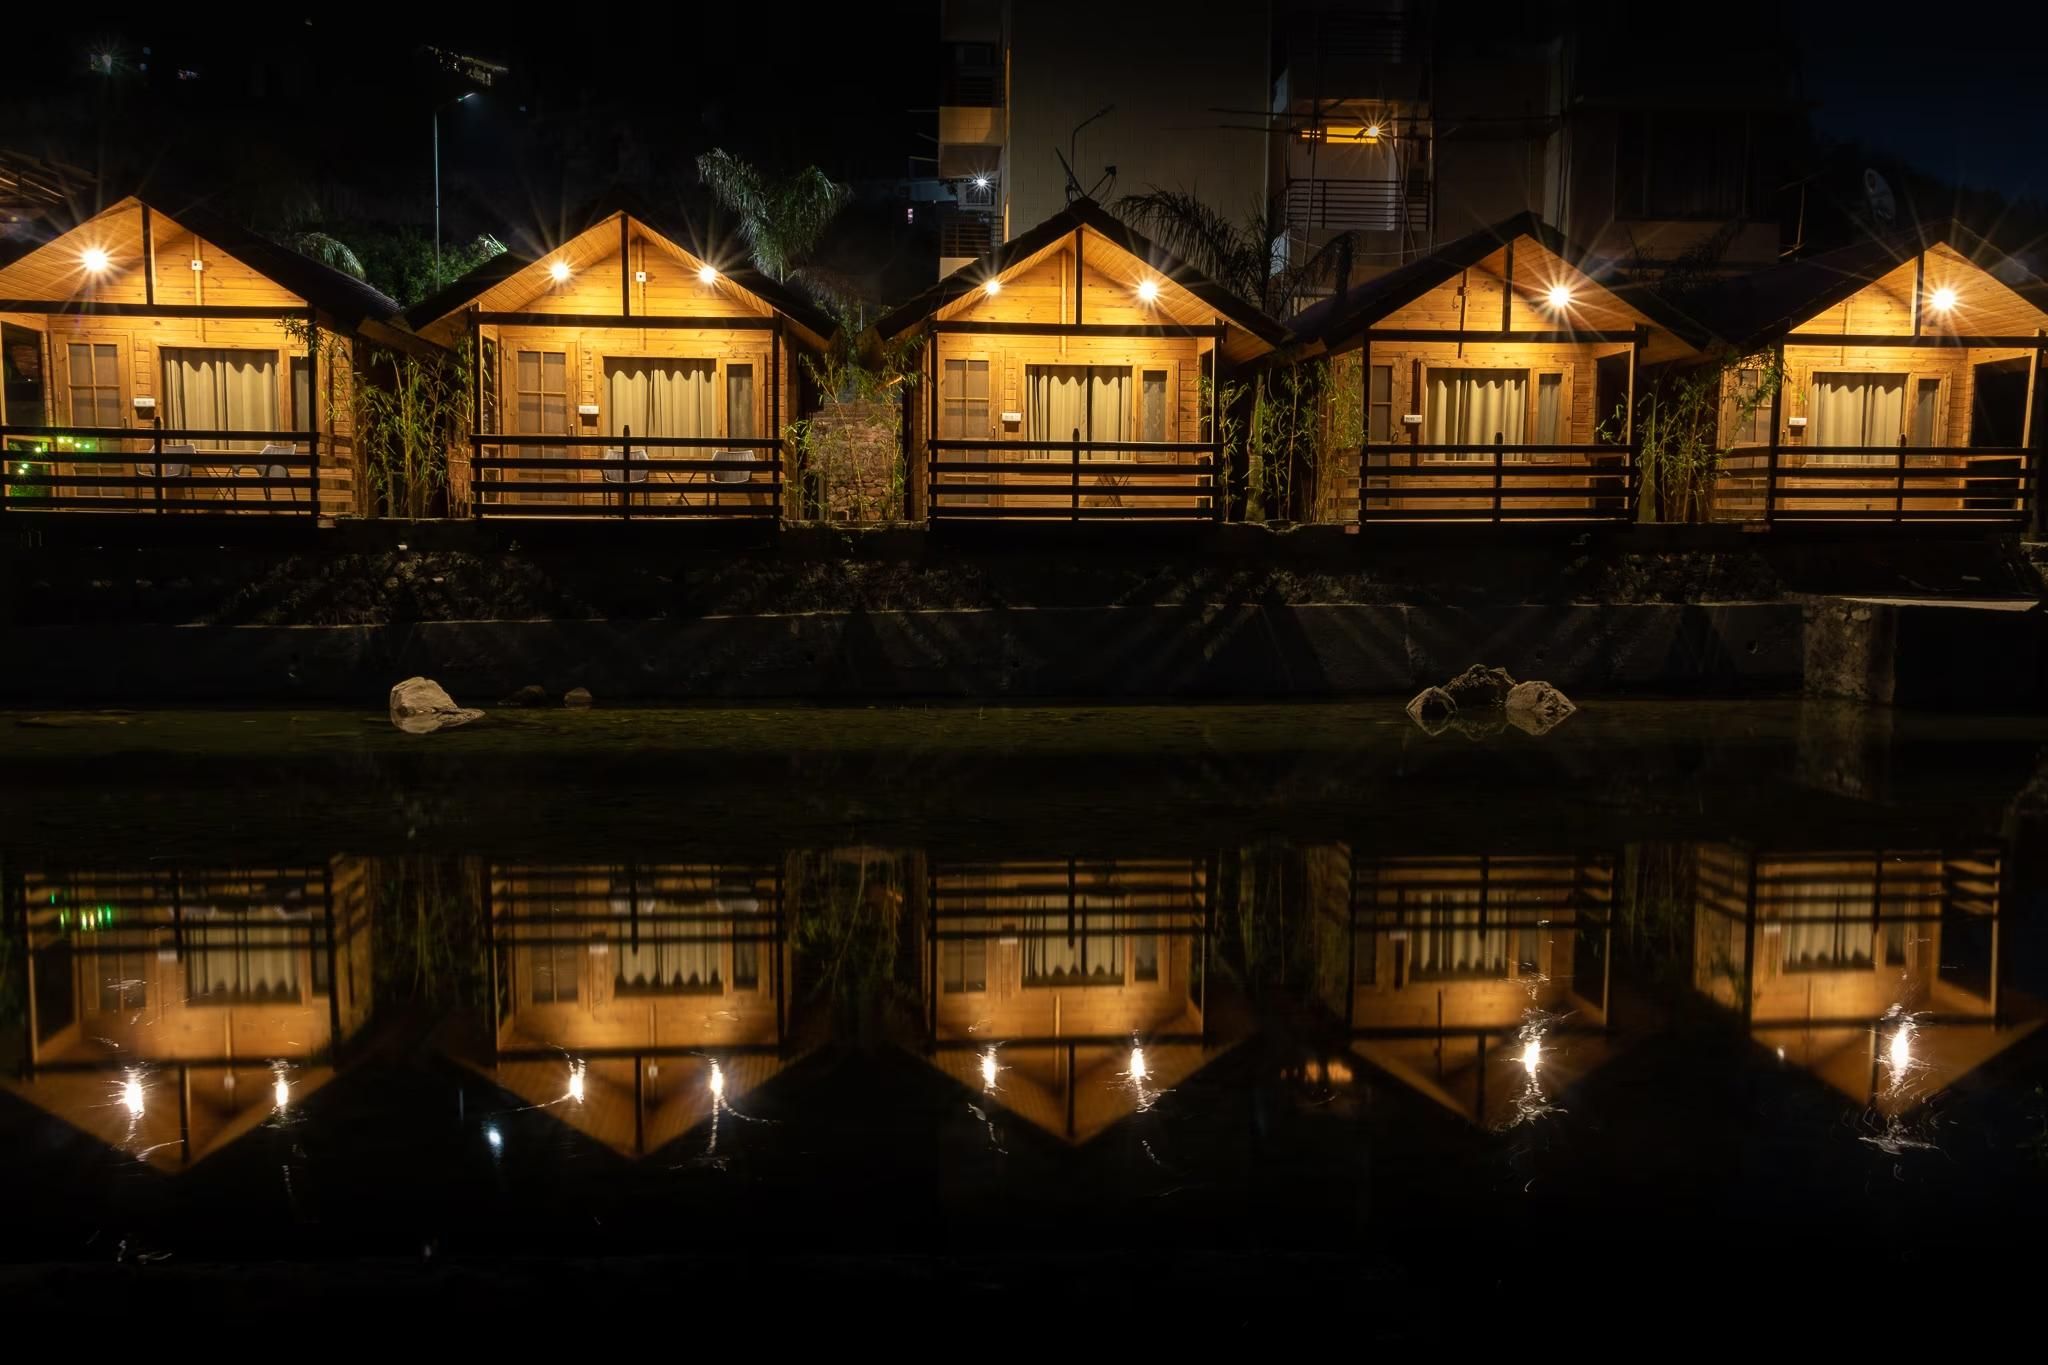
x,y
1012,418
1795,421
144,403
586,409
1411,419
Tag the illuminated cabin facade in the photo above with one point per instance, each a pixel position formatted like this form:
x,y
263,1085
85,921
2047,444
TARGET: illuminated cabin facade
x,y
1910,377
633,1000
1480,981
1068,990
173,1009
1495,381
181,366
1878,970
622,374
1065,378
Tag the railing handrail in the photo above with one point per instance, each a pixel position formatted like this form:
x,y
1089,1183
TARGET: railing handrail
x,y
1580,448
772,464
650,442
1067,447
173,434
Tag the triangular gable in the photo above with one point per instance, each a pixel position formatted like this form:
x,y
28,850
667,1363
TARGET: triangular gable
x,y
673,285
1116,258
1983,304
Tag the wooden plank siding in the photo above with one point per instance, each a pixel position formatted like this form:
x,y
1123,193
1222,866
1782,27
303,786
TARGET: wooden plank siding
x,y
1886,307
54,274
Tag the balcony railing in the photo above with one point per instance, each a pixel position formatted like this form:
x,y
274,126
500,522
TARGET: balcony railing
x,y
965,236
1074,480
1497,483
1897,484
1354,205
981,89
158,470
626,476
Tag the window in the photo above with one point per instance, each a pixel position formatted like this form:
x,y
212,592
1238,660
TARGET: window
x,y
1451,939
1152,405
1379,404
213,389
746,964
242,963
302,394
96,385
1057,954
489,405
1680,164
1926,411
1550,413
124,983
1475,407
540,407
673,957
963,401
1092,400
739,401
963,964
1852,409
1145,957
1749,415
661,397
1828,927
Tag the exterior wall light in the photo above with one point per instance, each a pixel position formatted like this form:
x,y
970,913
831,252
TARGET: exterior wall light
x,y
1148,291
707,274
95,260
559,271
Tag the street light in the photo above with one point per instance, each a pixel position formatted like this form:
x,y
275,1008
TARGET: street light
x,y
436,116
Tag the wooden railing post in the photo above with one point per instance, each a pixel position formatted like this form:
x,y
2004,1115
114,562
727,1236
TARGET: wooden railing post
x,y
156,441
626,475
1499,459
1899,485
1777,426
1076,514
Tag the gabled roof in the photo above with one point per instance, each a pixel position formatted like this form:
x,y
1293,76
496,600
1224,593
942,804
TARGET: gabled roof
x,y
343,298
1082,213
463,291
1750,310
1336,322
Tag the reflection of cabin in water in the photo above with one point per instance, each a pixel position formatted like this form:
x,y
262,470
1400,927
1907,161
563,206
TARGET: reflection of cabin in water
x,y
624,374
149,369
1910,384
1471,979
1068,990
1065,379
1878,970
173,1009
632,999
1497,382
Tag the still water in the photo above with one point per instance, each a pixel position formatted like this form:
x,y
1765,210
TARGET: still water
x,y
1251,995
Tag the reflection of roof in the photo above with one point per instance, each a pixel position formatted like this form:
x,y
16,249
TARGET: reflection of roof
x,y
215,1113
679,1091
1075,1091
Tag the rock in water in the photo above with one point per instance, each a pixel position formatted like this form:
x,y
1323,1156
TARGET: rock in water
x,y
420,706
1480,686
578,697
533,694
1537,707
1432,708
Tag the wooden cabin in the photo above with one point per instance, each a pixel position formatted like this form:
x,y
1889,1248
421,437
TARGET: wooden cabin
x,y
1068,991
1910,374
1496,381
175,366
1877,970
633,1001
624,375
172,1009
1480,981
1065,378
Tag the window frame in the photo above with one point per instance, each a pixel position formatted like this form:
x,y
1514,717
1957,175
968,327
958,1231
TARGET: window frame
x,y
1429,370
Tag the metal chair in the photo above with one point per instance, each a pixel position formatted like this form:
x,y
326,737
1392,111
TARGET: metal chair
x,y
180,469
262,468
638,453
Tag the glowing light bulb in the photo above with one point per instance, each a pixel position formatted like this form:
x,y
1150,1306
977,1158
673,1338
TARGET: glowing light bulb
x,y
717,1081
1137,1064
988,1069
94,259
981,182
1902,1048
1560,296
993,288
495,1138
281,1092
1148,291
1532,1055
1372,130
559,271
707,274
1943,299
131,1096
576,1083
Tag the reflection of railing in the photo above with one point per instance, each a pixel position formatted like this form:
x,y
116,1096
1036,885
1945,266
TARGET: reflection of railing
x,y
1899,484
1497,482
1075,480
1344,204
627,476
158,470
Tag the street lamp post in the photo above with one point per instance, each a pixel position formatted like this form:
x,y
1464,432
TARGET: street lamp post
x,y
436,116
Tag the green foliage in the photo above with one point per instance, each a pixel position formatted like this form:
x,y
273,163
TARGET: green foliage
x,y
1236,255
399,262
781,220
1299,421
847,913
424,945
327,249
1680,428
1222,413
835,473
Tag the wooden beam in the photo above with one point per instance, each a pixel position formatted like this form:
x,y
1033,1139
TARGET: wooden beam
x,y
1550,338
1777,418
1079,271
625,266
1919,289
746,323
150,310
148,256
1072,329
1821,339
2027,441
1507,289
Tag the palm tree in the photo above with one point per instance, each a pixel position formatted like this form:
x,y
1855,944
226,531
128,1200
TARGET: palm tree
x,y
327,249
1236,255
781,220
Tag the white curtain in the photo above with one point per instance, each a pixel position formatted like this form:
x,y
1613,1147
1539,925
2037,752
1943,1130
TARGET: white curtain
x,y
246,962
1449,940
661,397
1829,926
1471,407
666,968
1059,404
210,389
1857,410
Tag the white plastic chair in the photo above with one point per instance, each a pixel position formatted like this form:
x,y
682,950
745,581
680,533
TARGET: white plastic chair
x,y
733,475
625,475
